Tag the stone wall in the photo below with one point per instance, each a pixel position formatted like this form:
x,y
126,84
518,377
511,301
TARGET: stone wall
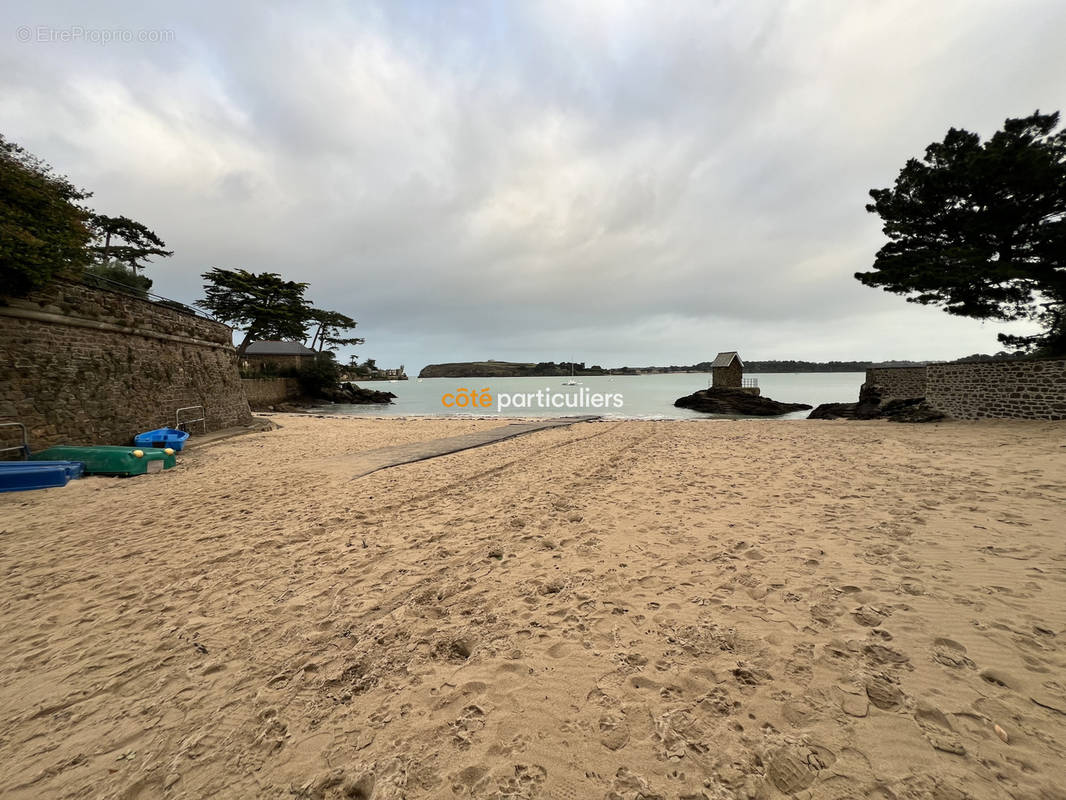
x,y
1008,389
730,377
81,365
264,392
274,362
898,383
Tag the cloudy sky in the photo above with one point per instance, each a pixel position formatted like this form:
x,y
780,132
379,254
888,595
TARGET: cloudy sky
x,y
617,182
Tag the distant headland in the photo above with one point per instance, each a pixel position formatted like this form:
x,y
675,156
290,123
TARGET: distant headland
x,y
547,369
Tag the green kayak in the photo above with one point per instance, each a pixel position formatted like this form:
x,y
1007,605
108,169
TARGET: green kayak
x,y
107,460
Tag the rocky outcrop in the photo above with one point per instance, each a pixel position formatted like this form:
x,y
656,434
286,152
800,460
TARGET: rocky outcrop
x,y
356,395
736,401
834,411
284,395
871,406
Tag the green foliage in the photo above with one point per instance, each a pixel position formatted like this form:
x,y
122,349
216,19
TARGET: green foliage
x,y
46,232
330,326
319,376
43,228
980,229
114,272
138,243
264,305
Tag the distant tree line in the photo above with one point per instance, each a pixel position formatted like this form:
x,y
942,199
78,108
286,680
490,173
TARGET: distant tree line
x,y
545,369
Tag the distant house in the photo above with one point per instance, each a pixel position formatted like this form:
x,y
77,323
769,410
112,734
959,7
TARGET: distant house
x,y
272,355
727,371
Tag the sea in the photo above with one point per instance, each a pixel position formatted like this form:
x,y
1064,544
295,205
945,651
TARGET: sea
x,y
649,397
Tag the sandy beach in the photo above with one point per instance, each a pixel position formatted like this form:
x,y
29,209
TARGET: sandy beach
x,y
744,609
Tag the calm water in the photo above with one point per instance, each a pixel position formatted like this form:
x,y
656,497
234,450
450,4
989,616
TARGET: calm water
x,y
644,396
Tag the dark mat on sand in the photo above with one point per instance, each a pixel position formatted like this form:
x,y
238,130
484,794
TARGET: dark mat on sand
x,y
361,464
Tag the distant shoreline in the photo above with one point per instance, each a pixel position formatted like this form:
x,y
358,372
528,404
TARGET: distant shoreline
x,y
550,369
507,369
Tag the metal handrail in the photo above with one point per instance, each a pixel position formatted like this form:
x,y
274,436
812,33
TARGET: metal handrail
x,y
100,282
24,447
202,419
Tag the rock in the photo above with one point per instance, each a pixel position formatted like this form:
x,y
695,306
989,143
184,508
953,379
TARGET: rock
x,y
871,406
834,411
911,411
356,395
736,401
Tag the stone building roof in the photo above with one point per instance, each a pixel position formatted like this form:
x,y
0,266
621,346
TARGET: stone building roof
x,y
725,359
272,348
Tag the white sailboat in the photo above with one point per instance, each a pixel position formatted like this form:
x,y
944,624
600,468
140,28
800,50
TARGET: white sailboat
x,y
571,382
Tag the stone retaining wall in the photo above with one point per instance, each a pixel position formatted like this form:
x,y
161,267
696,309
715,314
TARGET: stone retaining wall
x,y
81,365
898,383
264,392
1007,389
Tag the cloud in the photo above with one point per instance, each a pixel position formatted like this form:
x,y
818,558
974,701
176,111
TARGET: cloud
x,y
621,183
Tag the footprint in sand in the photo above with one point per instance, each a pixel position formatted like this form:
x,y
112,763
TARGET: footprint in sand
x,y
912,586
718,702
469,779
853,702
793,768
825,612
937,730
951,654
470,721
999,678
614,732
882,654
883,692
525,782
869,616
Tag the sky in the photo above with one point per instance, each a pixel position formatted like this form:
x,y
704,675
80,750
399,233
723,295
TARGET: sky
x,y
619,183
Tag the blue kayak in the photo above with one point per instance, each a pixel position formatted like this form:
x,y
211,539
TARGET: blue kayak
x,y
162,437
18,476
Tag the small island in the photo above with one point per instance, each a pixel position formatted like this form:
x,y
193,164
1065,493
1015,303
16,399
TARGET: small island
x,y
731,393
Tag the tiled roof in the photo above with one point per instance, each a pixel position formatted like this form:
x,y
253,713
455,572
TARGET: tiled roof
x,y
725,359
269,348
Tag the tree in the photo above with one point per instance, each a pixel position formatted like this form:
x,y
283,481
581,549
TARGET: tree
x,y
264,305
330,325
44,231
980,229
138,242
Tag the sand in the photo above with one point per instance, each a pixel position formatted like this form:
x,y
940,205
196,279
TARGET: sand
x,y
611,610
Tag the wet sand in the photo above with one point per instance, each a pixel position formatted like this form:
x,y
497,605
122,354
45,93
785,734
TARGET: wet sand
x,y
612,610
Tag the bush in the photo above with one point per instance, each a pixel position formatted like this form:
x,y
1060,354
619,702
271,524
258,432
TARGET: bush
x,y
321,377
113,273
